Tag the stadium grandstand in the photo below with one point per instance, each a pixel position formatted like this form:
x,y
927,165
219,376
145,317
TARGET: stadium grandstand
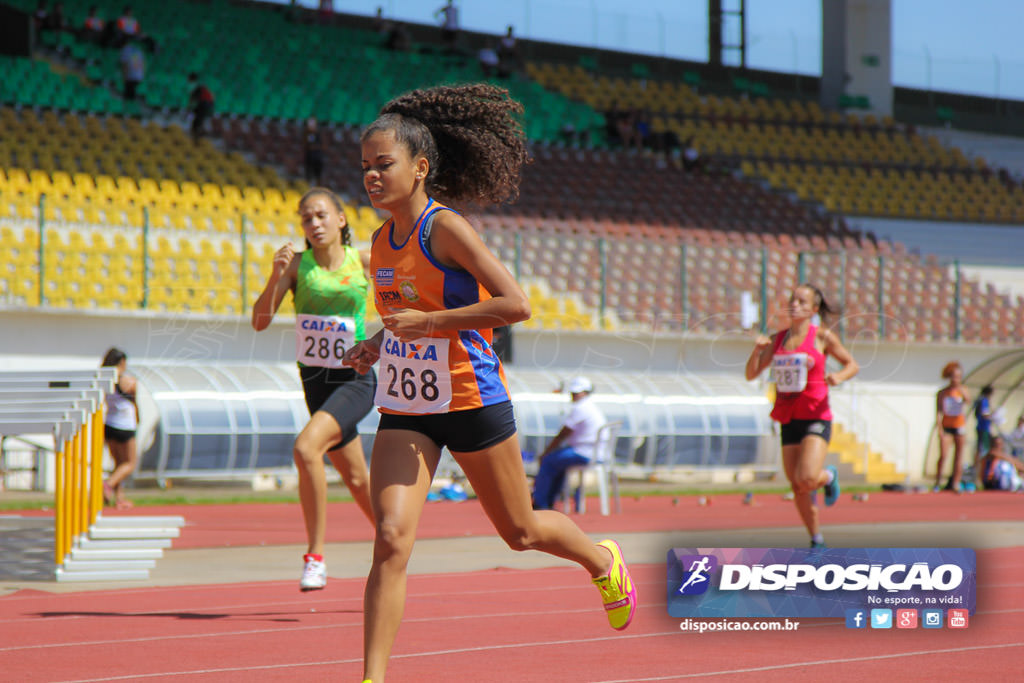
x,y
116,226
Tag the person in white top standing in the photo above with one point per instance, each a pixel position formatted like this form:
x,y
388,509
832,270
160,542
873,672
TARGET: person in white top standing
x,y
573,446
120,423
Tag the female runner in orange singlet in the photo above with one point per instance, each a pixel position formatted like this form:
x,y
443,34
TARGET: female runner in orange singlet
x,y
440,292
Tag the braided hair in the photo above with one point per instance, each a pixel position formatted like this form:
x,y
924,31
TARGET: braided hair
x,y
471,136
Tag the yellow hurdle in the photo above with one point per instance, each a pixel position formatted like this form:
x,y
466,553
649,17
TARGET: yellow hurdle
x,y
81,513
59,506
76,491
67,498
96,480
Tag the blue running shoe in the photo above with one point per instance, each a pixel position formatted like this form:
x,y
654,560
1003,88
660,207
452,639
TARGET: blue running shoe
x,y
815,545
832,490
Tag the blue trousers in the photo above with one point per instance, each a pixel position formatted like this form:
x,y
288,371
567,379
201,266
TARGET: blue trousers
x,y
551,476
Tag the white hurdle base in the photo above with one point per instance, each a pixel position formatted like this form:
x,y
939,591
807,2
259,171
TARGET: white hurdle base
x,y
120,549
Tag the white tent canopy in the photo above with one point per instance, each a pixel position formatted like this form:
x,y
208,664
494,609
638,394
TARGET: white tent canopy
x,y
217,421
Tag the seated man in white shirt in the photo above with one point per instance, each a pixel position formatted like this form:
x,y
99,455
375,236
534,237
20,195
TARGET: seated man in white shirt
x,y
574,445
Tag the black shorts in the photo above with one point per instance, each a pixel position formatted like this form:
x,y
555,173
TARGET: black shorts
x,y
794,431
118,435
953,431
342,393
463,431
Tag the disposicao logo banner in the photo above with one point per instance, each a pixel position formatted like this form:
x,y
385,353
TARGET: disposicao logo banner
x,y
792,582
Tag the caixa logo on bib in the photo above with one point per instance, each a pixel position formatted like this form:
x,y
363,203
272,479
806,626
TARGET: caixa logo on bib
x,y
791,582
324,325
415,351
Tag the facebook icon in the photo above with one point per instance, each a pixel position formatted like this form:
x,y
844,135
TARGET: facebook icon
x,y
856,618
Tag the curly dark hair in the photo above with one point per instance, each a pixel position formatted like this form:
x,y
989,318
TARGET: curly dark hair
x,y
471,135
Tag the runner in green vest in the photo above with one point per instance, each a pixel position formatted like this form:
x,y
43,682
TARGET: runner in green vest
x,y
328,282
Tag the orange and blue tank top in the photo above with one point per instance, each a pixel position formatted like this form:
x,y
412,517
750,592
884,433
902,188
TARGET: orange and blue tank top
x,y
445,372
954,410
800,389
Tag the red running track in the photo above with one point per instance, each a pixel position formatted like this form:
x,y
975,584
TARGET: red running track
x,y
213,526
504,625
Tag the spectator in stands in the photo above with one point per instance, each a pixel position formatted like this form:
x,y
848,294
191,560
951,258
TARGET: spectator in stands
x,y
127,27
41,16
797,356
120,423
381,25
611,122
326,10
313,152
691,155
1001,471
642,133
440,291
328,284
55,20
449,16
489,62
399,39
93,26
201,104
951,417
133,68
627,130
509,59
574,445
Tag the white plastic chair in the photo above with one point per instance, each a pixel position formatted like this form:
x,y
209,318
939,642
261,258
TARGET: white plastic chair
x,y
603,466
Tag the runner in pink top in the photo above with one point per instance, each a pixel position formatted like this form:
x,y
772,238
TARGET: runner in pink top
x,y
797,356
804,367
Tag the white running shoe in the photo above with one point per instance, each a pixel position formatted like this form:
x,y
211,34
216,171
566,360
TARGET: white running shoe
x,y
314,574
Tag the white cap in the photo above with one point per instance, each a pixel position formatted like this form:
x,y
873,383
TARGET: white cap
x,y
579,385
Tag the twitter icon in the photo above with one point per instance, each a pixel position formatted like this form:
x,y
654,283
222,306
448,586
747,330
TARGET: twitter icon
x,y
881,618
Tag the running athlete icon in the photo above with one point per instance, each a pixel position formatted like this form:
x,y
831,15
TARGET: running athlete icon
x,y
698,574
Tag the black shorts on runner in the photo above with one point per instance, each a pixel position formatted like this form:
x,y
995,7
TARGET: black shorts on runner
x,y
118,435
342,393
794,431
462,431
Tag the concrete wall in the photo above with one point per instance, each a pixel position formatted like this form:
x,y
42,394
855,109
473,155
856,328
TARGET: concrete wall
x,y
856,52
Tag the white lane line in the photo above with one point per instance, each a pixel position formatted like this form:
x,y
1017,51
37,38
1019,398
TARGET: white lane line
x,y
548,643
797,665
334,662
358,623
303,603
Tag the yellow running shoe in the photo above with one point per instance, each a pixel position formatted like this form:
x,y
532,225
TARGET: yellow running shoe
x,y
617,589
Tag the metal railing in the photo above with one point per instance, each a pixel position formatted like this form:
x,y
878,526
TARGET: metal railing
x,y
682,286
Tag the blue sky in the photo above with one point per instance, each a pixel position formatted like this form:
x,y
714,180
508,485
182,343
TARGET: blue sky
x,y
954,45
